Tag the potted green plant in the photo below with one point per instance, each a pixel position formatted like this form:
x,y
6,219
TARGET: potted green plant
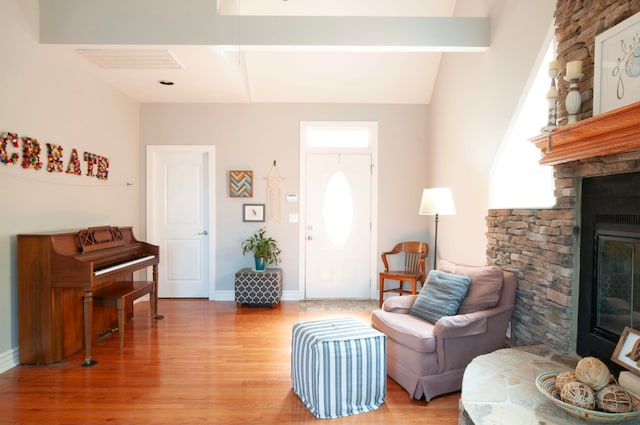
x,y
265,249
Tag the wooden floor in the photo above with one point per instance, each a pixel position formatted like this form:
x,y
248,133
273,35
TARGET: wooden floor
x,y
205,363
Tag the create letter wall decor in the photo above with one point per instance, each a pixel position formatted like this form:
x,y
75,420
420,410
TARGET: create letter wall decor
x,y
241,184
95,165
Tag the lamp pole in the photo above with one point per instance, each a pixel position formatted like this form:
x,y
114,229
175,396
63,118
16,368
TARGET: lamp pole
x,y
435,243
436,201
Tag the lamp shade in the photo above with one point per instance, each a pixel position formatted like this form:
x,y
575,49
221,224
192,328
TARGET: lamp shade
x,y
438,200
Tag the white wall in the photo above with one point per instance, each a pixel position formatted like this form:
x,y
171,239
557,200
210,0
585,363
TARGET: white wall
x,y
40,98
251,137
473,104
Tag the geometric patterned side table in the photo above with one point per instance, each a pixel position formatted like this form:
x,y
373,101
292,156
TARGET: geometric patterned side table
x,y
258,287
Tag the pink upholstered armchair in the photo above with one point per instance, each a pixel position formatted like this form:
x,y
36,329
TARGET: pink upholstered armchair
x,y
428,359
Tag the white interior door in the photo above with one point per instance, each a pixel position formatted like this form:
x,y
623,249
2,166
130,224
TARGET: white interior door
x,y
338,226
179,217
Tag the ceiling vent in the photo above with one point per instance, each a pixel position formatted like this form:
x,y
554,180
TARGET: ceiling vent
x,y
131,59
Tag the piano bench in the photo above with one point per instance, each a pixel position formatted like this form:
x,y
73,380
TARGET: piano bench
x,y
120,295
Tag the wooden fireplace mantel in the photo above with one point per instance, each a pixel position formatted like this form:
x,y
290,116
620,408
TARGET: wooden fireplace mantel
x,y
612,132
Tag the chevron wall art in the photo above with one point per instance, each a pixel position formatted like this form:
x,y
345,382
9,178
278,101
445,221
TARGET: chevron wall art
x,y
241,184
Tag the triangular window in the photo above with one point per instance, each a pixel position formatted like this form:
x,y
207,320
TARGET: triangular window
x,y
517,179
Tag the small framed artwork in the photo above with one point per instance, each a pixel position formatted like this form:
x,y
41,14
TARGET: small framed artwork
x,y
241,184
627,352
252,212
616,81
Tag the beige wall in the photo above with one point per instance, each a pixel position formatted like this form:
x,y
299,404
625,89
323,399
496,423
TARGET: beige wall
x,y
251,137
473,104
40,98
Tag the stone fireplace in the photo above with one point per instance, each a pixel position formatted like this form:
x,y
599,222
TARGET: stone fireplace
x,y
558,304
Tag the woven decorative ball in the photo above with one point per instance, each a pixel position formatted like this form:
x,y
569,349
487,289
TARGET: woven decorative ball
x,y
614,399
593,372
578,394
564,378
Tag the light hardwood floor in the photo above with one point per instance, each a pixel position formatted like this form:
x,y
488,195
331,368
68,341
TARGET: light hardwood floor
x,y
205,363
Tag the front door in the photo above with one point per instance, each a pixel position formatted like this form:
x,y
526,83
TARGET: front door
x,y
338,226
179,218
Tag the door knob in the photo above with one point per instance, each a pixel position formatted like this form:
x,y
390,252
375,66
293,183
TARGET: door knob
x,y
309,238
204,232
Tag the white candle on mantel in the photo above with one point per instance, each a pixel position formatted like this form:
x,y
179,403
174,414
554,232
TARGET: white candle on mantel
x,y
574,67
553,65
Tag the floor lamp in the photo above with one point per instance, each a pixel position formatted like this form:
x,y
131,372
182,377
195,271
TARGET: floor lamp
x,y
437,201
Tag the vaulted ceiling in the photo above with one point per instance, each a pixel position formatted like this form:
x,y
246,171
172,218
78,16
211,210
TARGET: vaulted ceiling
x,y
262,51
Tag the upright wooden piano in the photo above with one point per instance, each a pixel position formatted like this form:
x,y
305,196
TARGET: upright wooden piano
x,y
58,276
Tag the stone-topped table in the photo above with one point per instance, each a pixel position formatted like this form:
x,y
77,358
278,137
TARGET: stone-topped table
x,y
499,388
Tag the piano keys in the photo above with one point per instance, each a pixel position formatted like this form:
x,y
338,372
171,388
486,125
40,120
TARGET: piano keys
x,y
123,265
58,275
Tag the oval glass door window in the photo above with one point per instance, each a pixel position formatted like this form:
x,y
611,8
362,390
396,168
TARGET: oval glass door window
x,y
337,209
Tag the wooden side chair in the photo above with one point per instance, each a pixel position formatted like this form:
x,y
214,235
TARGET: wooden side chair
x,y
412,273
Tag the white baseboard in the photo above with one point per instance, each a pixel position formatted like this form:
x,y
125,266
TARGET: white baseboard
x,y
230,296
290,296
8,360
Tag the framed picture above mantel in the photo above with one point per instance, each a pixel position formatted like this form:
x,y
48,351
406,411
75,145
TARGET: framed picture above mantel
x,y
616,80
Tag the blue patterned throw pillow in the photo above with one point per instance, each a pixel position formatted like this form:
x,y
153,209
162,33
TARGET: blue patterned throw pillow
x,y
440,296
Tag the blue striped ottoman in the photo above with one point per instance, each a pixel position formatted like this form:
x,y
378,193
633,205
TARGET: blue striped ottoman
x,y
338,366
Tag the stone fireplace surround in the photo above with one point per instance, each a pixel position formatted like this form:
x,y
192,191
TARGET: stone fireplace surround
x,y
542,245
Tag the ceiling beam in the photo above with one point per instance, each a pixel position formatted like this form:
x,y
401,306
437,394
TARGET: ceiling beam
x,y
196,22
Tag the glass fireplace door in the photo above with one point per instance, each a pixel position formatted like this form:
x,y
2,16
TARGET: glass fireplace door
x,y
617,283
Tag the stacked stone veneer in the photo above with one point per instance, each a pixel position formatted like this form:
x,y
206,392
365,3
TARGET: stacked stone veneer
x,y
542,245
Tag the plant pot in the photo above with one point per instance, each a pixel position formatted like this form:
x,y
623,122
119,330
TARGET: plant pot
x,y
261,263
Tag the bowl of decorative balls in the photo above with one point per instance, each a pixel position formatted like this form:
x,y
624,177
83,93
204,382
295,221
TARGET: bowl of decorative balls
x,y
590,392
